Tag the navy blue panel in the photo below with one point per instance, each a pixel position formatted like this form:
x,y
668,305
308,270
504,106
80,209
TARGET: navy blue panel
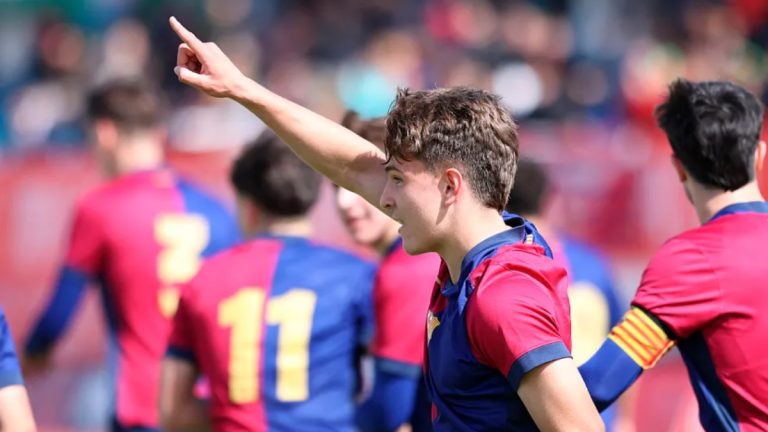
x,y
181,354
608,374
715,409
535,358
341,283
390,404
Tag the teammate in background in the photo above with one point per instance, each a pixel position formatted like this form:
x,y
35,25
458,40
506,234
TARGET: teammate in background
x,y
15,412
704,291
273,323
400,299
595,305
498,332
139,236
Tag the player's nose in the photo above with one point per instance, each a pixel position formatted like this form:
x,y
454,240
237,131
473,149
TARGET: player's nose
x,y
386,201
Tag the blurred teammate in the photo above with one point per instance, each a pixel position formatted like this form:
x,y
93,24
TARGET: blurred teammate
x,y
15,412
595,305
704,291
498,330
400,298
139,236
273,323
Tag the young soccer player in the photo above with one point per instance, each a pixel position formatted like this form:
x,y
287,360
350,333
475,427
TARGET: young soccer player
x,y
400,298
139,236
15,413
273,323
704,290
498,330
595,305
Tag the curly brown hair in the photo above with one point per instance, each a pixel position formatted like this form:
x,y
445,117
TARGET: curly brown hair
x,y
463,127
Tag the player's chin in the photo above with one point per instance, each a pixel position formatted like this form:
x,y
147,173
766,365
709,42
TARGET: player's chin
x,y
413,245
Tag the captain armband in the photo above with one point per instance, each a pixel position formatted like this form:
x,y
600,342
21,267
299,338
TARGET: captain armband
x,y
641,338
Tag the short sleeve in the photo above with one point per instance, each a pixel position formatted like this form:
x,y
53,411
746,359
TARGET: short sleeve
x,y
87,240
512,324
181,341
679,288
10,372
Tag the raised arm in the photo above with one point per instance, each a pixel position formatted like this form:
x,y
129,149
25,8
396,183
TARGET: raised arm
x,y
341,155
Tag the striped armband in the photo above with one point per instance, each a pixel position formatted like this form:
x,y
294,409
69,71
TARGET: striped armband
x,y
641,338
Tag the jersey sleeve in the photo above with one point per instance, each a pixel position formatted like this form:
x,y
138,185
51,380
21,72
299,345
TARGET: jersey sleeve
x,y
10,372
679,288
181,341
512,325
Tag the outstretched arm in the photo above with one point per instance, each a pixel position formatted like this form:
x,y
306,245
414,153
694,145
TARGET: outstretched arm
x,y
635,344
341,155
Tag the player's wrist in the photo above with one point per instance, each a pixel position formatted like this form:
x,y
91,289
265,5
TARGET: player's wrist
x,y
247,92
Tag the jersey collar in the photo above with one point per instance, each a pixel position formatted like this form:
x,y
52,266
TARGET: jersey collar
x,y
484,249
744,207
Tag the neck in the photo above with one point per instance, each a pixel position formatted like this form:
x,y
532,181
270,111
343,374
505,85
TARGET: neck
x,y
383,244
138,154
710,201
484,224
298,226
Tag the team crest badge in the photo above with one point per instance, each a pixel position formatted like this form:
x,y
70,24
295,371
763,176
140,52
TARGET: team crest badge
x,y
432,323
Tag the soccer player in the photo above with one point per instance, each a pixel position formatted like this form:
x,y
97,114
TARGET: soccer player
x,y
398,395
15,412
704,290
140,236
595,305
273,323
498,330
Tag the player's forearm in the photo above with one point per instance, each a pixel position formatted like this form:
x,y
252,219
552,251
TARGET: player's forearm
x,y
15,412
336,152
189,415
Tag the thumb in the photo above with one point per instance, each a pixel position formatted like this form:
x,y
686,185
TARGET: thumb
x,y
189,77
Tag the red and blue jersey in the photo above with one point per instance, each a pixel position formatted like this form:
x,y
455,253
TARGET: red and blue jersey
x,y
140,236
400,298
507,314
706,290
10,372
274,324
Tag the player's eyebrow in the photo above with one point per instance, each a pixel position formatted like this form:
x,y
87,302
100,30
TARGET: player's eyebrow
x,y
391,167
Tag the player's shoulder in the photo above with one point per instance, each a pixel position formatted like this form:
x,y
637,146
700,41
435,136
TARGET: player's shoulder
x,y
518,270
198,198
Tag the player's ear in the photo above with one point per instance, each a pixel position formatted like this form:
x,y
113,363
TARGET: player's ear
x,y
681,174
451,186
105,133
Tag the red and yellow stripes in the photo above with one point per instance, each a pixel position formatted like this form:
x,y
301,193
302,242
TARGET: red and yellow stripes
x,y
641,338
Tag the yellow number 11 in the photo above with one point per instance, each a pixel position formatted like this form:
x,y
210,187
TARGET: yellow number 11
x,y
243,313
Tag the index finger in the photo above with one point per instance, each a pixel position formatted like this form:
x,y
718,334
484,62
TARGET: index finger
x,y
187,36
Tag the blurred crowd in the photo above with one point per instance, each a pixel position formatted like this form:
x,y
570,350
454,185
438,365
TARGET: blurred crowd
x,y
605,61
